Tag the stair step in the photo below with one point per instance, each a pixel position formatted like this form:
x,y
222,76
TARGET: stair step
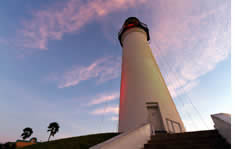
x,y
187,141
183,136
190,133
188,146
213,131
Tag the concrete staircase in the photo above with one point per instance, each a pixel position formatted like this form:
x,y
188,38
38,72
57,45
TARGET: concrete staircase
x,y
209,139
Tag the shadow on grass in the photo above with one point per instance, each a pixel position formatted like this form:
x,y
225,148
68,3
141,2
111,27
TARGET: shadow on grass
x,y
81,142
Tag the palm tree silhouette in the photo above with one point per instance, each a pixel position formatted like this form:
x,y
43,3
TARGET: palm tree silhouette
x,y
27,132
53,128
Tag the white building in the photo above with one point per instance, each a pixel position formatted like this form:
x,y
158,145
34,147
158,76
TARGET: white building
x,y
144,96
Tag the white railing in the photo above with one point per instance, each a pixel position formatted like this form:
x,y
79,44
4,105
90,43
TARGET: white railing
x,y
222,123
133,139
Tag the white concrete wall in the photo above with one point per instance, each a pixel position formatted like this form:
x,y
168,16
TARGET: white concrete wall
x,y
142,82
222,123
133,139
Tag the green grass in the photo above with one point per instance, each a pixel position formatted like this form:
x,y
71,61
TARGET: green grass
x,y
81,142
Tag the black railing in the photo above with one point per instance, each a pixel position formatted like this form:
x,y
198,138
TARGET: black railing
x,y
132,22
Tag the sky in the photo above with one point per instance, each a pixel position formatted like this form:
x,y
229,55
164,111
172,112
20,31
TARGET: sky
x,y
61,61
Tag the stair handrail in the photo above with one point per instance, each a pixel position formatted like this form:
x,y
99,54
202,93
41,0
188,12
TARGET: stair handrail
x,y
124,139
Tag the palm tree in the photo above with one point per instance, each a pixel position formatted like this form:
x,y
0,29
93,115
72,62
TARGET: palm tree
x,y
27,132
53,128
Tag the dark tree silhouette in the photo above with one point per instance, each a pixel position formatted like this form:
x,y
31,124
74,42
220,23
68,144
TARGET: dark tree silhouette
x,y
27,132
53,128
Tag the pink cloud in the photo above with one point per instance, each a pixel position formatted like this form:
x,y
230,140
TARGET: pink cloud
x,y
53,23
181,89
104,98
114,118
3,41
106,110
188,45
103,69
5,139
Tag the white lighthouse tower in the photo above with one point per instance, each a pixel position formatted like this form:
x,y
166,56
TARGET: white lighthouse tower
x,y
144,96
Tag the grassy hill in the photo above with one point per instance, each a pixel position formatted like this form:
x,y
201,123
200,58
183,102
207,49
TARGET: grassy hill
x,y
81,142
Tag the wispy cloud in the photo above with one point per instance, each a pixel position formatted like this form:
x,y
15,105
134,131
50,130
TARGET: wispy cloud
x,y
54,22
193,120
189,43
106,110
182,88
114,118
3,41
102,70
104,98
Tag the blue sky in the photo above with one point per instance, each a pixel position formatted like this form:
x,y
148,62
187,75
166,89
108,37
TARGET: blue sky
x,y
60,61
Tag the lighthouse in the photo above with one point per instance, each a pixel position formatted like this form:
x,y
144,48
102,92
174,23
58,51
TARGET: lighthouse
x,y
144,96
